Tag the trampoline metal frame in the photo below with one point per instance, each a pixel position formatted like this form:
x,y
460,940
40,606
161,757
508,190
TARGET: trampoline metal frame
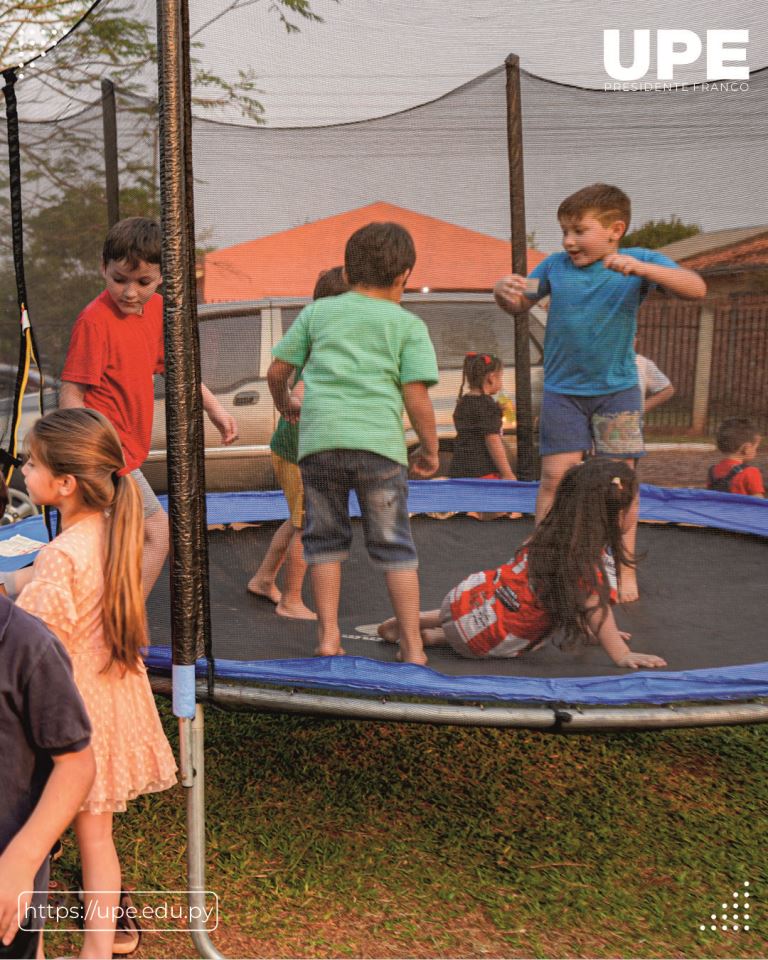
x,y
552,718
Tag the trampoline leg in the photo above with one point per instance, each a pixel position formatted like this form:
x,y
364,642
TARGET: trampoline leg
x,y
191,740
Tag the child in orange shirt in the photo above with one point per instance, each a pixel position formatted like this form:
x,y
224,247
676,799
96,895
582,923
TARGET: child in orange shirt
x,y
738,438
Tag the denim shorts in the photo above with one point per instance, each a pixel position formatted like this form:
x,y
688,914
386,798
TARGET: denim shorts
x,y
611,424
381,486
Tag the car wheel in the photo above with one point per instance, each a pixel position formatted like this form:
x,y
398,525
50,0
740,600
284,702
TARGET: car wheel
x,y
19,507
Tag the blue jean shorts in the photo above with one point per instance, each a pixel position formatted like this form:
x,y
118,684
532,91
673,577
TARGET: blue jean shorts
x,y
381,486
611,424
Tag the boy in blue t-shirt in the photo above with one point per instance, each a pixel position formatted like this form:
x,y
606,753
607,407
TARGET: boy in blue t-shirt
x,y
591,393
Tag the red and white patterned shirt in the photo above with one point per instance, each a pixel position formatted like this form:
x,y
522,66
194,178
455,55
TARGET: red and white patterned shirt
x,y
496,612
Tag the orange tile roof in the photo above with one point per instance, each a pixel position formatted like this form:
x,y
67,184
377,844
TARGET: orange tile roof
x,y
286,264
750,253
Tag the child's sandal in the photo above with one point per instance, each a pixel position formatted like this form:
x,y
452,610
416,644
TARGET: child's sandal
x,y
128,932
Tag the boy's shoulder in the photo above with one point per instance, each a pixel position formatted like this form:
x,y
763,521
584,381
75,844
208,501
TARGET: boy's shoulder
x,y
352,304
642,253
23,640
100,308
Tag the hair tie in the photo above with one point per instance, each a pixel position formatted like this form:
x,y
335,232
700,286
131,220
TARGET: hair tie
x,y
472,354
486,359
617,482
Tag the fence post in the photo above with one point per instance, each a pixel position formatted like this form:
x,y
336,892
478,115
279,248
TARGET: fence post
x,y
703,375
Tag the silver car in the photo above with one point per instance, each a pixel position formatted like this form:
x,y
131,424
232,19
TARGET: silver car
x,y
236,341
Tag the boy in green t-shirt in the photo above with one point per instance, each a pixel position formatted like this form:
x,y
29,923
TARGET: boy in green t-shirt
x,y
364,358
285,546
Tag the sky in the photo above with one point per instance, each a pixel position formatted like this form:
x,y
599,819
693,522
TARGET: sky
x,y
375,58
697,156
371,57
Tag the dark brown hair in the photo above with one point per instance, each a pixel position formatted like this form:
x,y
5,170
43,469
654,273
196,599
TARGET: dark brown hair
x,y
476,367
330,283
377,254
605,202
565,552
133,241
734,432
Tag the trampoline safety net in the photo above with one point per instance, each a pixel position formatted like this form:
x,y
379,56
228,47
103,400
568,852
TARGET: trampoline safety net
x,y
303,131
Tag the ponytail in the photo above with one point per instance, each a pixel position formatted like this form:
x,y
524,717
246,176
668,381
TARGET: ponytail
x,y
83,443
476,368
125,627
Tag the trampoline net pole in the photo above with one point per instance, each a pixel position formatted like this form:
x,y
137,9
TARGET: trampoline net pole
x,y
526,460
111,171
186,482
192,746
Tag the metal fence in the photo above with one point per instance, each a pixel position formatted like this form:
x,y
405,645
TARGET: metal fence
x,y
716,355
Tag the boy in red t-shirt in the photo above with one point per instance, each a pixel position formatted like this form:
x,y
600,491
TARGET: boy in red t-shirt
x,y
115,349
738,438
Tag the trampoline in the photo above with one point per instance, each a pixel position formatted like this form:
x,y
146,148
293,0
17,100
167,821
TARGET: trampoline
x,y
703,600
703,608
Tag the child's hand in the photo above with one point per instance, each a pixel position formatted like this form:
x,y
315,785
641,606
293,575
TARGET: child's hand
x,y
292,410
623,263
635,660
17,882
509,293
226,424
423,465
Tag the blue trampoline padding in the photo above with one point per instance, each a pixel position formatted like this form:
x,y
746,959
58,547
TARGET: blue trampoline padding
x,y
32,527
708,508
725,511
363,676
183,691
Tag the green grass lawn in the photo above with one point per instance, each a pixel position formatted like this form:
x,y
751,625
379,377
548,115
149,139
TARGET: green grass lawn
x,y
351,839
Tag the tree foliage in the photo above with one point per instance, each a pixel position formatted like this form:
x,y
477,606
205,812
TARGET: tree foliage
x,y
62,159
658,233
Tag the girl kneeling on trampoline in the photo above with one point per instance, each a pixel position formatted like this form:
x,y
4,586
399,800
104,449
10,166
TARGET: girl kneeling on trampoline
x,y
562,578
86,587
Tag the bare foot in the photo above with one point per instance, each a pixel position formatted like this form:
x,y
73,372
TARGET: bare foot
x,y
412,653
294,611
628,591
329,650
263,590
389,630
329,644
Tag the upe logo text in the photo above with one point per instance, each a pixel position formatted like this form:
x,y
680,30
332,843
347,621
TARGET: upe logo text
x,y
726,53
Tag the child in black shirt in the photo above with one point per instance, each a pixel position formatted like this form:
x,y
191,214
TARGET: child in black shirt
x,y
478,449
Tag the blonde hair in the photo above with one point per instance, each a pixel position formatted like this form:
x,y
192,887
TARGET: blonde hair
x,y
83,443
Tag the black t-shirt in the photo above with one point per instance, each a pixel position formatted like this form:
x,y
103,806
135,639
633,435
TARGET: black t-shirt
x,y
476,416
41,715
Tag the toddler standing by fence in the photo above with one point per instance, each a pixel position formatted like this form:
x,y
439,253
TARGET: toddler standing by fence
x,y
739,439
86,586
